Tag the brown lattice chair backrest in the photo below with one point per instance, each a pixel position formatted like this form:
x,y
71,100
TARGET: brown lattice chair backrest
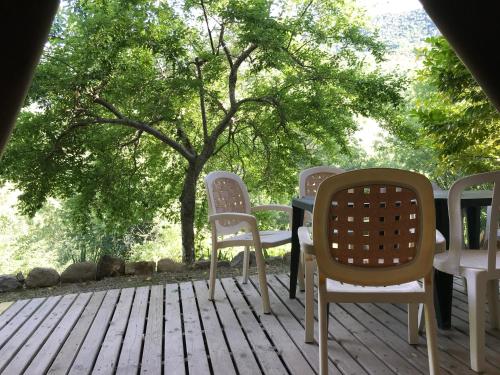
x,y
374,226
226,193
309,179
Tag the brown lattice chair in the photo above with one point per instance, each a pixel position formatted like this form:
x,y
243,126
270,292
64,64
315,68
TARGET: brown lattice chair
x,y
374,237
229,213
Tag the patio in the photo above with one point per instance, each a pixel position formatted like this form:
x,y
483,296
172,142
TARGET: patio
x,y
180,331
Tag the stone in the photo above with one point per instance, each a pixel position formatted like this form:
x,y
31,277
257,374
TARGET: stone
x,y
8,283
41,276
20,277
201,264
79,272
237,261
286,257
168,265
141,268
110,266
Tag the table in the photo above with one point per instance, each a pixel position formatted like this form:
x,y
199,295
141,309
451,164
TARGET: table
x,y
472,201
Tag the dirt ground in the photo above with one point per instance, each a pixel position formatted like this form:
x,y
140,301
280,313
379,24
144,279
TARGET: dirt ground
x,y
274,266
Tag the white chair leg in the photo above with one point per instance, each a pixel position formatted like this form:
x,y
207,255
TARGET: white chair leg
x,y
413,323
300,274
476,296
246,264
431,334
493,304
261,267
309,297
323,331
421,318
213,273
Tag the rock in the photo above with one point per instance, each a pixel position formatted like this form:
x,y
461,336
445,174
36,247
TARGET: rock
x,y
79,272
40,276
168,265
141,268
110,266
237,261
201,264
8,283
223,263
20,277
286,257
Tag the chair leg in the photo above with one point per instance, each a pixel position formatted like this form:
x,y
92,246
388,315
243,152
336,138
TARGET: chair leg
x,y
431,334
309,297
261,267
246,264
323,330
300,274
493,304
476,298
413,323
213,273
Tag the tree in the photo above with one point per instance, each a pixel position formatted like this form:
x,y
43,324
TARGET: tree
x,y
450,115
134,99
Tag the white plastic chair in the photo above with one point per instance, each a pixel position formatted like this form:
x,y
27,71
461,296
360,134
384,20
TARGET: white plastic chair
x,y
229,213
309,181
374,237
481,268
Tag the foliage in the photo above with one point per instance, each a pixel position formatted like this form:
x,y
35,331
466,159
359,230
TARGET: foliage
x,y
135,99
450,117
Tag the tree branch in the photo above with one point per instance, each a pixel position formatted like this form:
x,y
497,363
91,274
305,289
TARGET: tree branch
x,y
109,107
233,75
139,126
201,92
208,27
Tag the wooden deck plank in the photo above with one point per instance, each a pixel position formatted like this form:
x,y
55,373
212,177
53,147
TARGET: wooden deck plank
x,y
26,353
217,347
84,361
262,347
110,348
195,347
8,310
73,342
19,319
294,326
342,360
130,353
51,347
371,342
27,329
291,355
448,353
173,341
243,356
152,352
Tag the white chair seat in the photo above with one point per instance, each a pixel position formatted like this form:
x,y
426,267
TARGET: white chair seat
x,y
468,259
357,293
440,242
268,238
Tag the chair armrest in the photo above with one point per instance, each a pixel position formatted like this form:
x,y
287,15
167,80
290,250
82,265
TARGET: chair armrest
x,y
306,243
275,207
250,219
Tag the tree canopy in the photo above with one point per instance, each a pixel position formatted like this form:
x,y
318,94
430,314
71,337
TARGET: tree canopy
x,y
135,100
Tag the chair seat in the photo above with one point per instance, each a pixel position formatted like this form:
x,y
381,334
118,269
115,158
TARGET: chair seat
x,y
356,293
477,259
268,238
440,242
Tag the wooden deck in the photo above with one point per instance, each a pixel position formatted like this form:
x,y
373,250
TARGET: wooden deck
x,y
174,329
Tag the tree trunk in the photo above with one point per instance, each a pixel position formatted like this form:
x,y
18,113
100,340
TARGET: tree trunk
x,y
188,208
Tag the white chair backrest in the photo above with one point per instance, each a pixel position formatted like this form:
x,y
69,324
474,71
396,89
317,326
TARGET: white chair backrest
x,y
455,215
310,178
227,192
374,227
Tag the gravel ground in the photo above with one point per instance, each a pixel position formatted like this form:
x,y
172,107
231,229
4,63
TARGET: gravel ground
x,y
274,266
